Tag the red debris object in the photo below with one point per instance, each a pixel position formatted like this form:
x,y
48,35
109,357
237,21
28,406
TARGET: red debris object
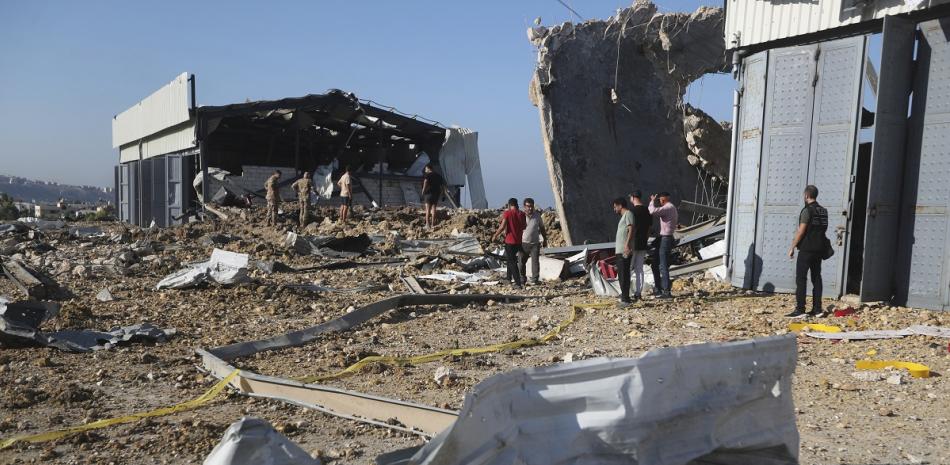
x,y
845,312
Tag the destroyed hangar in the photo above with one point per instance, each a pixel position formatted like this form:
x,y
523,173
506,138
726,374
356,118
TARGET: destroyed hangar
x,y
168,145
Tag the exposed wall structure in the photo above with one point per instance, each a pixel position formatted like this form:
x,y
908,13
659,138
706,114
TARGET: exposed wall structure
x,y
609,93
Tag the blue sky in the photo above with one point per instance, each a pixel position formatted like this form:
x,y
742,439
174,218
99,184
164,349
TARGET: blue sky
x,y
67,67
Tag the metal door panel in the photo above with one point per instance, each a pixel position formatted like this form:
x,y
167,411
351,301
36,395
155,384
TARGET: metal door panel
x,y
748,154
927,190
833,138
124,193
785,155
159,186
173,195
887,159
134,194
145,188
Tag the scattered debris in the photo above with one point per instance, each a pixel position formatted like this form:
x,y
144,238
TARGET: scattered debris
x,y
252,441
444,376
224,268
336,247
451,276
33,283
870,376
20,322
105,295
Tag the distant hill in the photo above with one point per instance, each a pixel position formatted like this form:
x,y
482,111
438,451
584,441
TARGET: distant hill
x,y
28,190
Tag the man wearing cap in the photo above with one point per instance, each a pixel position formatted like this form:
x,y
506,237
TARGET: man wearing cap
x,y
669,219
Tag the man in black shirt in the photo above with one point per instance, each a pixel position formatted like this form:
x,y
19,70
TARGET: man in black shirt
x,y
642,223
810,241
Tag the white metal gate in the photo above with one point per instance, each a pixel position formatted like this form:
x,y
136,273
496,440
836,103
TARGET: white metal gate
x,y
833,138
805,134
785,154
744,263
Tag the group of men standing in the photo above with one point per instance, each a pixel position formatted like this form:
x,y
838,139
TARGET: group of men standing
x,y
524,236
303,187
632,242
523,232
433,187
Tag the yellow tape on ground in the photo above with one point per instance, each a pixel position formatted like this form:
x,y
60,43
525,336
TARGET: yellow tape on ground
x,y
818,327
182,407
420,359
916,369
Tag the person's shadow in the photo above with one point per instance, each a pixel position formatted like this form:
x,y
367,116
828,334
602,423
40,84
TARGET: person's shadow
x,y
753,270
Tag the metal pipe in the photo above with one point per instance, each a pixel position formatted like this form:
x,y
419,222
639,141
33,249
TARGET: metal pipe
x,y
730,192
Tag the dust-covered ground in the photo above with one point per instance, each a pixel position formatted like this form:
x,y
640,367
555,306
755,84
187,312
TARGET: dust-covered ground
x,y
842,419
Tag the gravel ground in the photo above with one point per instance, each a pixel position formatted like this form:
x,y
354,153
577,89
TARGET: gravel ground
x,y
842,419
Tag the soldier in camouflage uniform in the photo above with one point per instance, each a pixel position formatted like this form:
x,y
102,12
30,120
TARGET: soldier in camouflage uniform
x,y
303,186
273,197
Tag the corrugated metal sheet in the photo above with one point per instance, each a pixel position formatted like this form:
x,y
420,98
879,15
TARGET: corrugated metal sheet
x,y
171,140
165,108
750,22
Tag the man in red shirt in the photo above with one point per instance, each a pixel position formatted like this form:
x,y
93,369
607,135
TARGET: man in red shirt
x,y
512,224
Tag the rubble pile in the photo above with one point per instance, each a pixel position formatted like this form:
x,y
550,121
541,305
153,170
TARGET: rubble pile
x,y
281,290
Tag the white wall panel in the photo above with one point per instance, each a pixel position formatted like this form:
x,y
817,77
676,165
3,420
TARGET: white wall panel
x,y
750,22
166,107
175,139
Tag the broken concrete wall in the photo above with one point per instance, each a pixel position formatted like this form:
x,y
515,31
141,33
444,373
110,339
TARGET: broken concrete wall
x,y
708,140
598,146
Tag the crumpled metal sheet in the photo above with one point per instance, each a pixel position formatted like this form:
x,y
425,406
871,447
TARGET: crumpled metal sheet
x,y
224,268
719,403
328,246
20,322
461,245
451,276
88,340
252,441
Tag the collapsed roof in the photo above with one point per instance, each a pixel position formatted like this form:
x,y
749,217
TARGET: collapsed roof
x,y
313,130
